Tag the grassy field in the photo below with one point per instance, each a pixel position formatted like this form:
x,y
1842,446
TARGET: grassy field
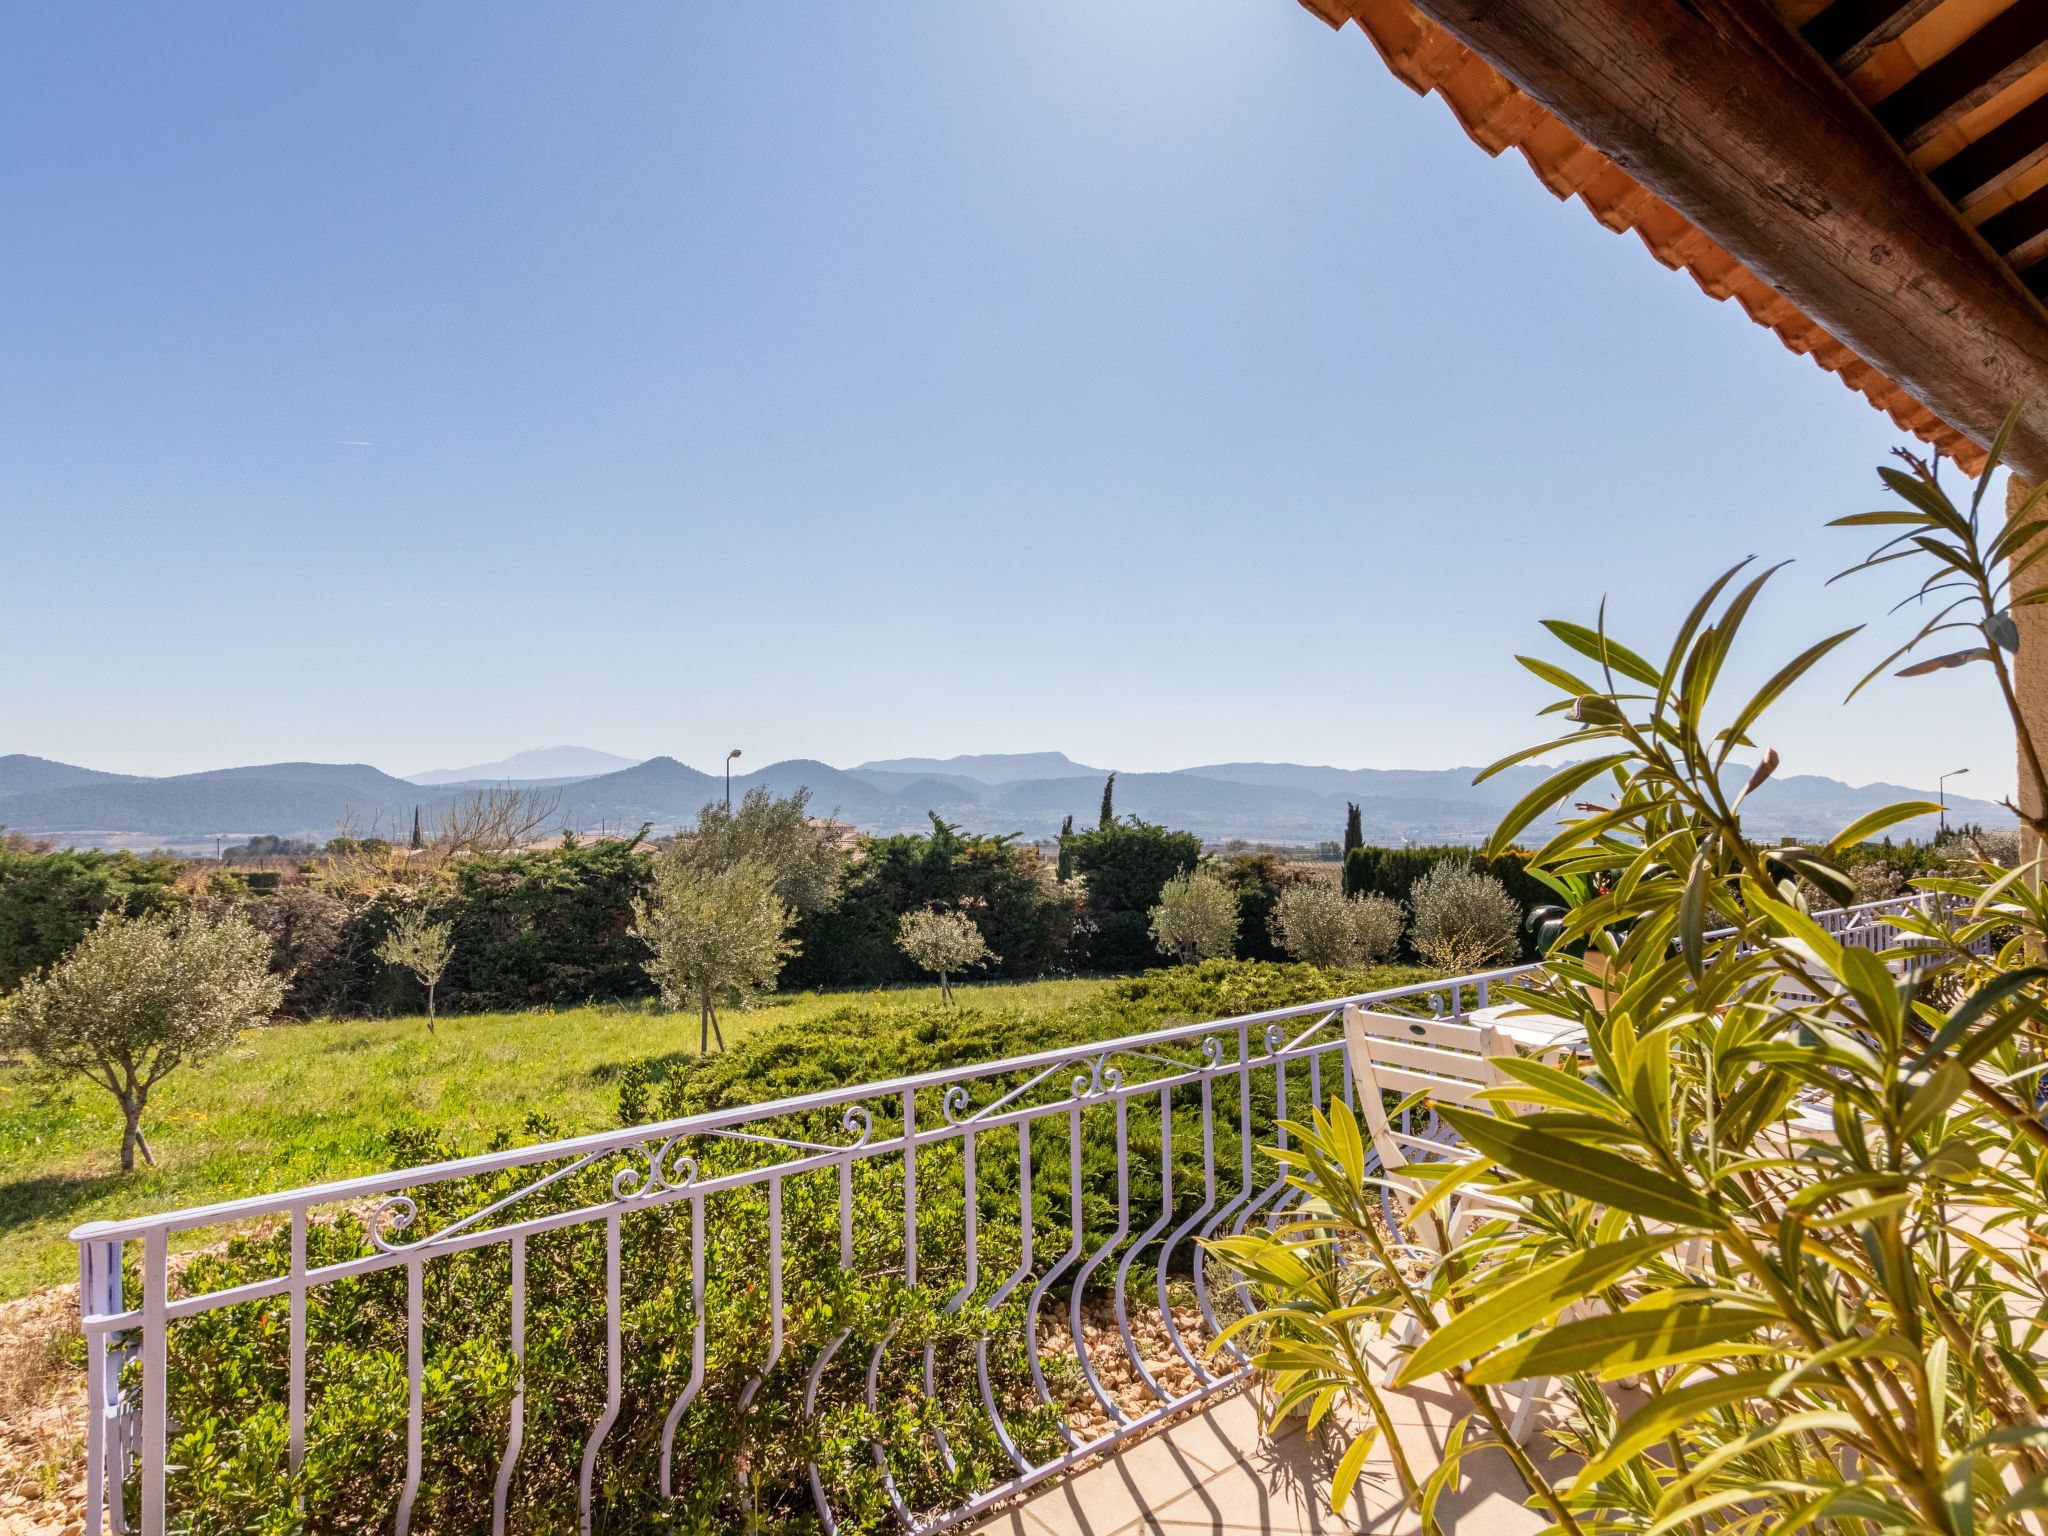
x,y
301,1104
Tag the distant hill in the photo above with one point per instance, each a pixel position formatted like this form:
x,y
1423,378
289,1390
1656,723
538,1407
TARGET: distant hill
x,y
990,767
359,776
308,800
199,806
556,765
649,791
1269,802
1391,783
891,782
19,771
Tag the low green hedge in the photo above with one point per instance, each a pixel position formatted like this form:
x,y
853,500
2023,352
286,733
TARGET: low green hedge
x,y
1393,872
733,1470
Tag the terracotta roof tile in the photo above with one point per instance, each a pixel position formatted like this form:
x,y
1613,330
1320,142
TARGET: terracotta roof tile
x,y
1498,117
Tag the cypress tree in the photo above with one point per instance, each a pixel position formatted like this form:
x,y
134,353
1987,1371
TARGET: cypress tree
x,y
417,840
1066,865
1358,874
1108,803
1354,829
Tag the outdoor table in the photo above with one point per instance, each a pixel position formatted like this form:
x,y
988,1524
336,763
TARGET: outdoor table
x,y
1541,1035
1538,1033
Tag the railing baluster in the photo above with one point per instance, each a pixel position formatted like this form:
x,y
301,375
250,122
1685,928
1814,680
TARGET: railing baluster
x,y
156,1353
124,1428
1244,1149
1027,1218
1109,1245
516,1431
1059,1268
415,1377
760,1377
696,1382
971,1217
296,1392
1145,1239
846,1212
874,1377
910,1189
612,1236
92,1258
1278,1187
825,1355
1208,1204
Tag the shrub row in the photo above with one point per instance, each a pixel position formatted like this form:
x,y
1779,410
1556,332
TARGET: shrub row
x,y
1393,872
555,926
736,1467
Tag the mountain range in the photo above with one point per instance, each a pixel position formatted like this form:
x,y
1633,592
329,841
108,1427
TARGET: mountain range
x,y
540,764
1026,793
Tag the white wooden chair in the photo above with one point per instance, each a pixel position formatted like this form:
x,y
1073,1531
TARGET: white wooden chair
x,y
1449,1062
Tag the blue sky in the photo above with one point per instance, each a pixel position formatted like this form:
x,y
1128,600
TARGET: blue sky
x,y
1163,383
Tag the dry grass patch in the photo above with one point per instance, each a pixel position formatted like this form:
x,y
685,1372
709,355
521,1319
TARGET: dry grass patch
x,y
42,1415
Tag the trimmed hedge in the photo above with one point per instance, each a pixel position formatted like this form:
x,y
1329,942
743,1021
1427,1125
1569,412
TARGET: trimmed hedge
x,y
1394,871
735,1469
1126,864
49,899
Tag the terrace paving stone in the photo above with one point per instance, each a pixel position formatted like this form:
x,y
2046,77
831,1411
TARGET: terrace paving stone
x,y
1215,1471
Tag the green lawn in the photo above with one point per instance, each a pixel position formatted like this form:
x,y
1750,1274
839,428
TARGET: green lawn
x,y
302,1104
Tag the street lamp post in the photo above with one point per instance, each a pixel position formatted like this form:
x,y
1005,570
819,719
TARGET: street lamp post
x,y
735,752
1941,793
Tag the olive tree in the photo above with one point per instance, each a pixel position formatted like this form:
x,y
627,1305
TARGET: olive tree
x,y
137,999
719,935
418,944
1464,918
942,941
1317,924
804,863
1196,918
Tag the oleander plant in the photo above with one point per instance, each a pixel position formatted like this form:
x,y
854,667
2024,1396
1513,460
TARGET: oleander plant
x,y
1776,1233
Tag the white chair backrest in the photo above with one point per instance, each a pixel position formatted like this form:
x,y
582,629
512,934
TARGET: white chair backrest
x,y
1447,1060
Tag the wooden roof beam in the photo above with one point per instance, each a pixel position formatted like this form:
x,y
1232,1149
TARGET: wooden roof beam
x,y
2011,149
1847,30
1968,75
1720,110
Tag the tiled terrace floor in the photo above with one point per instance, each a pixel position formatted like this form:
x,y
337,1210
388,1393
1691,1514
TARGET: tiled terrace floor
x,y
1215,1472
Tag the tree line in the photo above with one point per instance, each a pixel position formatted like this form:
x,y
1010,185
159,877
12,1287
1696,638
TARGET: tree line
x,y
121,968
369,928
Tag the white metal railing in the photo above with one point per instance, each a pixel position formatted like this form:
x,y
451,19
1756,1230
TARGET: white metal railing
x,y
1226,1082
968,1133
1869,926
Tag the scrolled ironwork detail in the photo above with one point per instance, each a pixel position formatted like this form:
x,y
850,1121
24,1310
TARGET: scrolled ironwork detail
x,y
666,1171
631,1180
680,1173
392,1214
1100,1077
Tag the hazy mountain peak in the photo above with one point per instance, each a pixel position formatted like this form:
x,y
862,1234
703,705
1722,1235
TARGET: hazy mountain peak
x,y
19,771
1028,793
534,763
990,767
